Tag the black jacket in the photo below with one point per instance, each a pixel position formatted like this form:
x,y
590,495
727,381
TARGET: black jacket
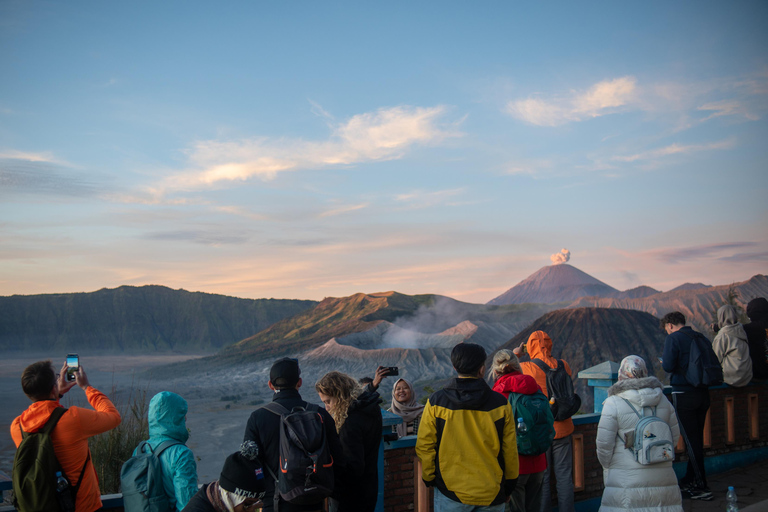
x,y
199,502
756,338
264,428
360,436
674,360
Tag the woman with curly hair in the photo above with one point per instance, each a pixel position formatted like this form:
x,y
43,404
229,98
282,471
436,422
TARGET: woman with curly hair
x,y
357,415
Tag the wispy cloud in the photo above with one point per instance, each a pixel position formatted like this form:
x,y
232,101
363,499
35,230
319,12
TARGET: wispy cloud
x,y
385,134
343,209
728,108
41,176
602,98
426,198
684,254
676,149
746,257
11,154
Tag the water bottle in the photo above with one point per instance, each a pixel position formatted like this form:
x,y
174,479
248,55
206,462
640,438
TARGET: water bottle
x,y
61,482
732,500
522,428
64,493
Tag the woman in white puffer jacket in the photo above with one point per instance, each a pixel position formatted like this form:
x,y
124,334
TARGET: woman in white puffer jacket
x,y
630,485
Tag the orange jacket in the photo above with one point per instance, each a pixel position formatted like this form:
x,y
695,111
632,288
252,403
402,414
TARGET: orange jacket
x,y
70,439
539,346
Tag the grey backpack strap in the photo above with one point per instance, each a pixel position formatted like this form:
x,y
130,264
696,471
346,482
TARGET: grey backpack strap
x,y
276,408
632,407
162,447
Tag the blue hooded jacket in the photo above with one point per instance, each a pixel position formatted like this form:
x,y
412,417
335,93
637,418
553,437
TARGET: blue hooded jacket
x,y
167,421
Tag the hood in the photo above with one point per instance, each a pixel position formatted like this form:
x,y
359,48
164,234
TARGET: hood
x,y
734,331
645,392
168,416
757,310
34,418
368,403
516,383
467,392
539,346
727,315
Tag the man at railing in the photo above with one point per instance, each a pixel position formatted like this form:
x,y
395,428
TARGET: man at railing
x,y
466,440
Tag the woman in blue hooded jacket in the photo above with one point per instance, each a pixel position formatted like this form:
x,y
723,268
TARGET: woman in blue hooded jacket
x,y
167,422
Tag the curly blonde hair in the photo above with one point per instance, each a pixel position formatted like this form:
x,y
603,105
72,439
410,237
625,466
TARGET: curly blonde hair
x,y
504,361
344,389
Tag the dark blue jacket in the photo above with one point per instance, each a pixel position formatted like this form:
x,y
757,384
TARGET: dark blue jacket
x,y
677,350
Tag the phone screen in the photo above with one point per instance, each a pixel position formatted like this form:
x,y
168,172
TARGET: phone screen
x,y
73,364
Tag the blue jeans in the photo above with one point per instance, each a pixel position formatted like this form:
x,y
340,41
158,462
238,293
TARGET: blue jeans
x,y
444,504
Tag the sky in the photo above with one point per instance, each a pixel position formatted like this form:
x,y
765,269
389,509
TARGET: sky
x,y
319,149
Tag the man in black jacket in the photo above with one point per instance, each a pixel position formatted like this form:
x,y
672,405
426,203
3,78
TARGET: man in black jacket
x,y
691,403
756,329
264,428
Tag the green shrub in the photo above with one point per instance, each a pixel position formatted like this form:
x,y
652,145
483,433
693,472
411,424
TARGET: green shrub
x,y
111,449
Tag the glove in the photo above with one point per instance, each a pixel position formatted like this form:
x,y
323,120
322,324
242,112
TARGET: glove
x,y
428,484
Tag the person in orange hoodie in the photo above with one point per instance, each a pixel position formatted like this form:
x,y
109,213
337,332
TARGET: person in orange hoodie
x,y
560,454
70,436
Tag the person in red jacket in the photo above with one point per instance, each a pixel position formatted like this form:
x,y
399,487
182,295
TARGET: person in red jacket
x,y
510,379
70,436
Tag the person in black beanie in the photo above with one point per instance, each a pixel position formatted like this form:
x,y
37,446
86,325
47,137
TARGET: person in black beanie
x,y
240,487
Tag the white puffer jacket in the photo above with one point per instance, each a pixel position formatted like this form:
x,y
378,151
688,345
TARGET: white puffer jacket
x,y
630,485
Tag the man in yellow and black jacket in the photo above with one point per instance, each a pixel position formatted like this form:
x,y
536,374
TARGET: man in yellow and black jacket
x,y
466,441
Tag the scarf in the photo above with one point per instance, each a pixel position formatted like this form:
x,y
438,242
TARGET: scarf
x,y
221,500
409,412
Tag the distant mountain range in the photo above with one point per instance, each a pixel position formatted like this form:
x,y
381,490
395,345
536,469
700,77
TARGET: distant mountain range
x,y
142,319
699,304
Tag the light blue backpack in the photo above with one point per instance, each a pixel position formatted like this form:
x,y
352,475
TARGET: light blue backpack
x,y
652,438
141,479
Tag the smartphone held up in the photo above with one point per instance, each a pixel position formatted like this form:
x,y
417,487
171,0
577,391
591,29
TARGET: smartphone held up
x,y
73,364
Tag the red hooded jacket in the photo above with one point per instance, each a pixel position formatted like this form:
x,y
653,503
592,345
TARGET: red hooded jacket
x,y
525,385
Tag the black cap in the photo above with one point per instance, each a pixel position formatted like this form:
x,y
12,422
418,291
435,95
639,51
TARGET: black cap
x,y
285,373
468,358
242,473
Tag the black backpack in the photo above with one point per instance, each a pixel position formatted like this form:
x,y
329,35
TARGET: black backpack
x,y
305,475
36,472
563,401
704,368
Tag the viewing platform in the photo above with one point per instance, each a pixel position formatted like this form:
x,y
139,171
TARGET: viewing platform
x,y
735,444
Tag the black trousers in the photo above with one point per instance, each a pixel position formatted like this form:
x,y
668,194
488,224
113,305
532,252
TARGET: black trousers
x,y
691,408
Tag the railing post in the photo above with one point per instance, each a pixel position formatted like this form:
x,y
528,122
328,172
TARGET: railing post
x,y
578,462
422,493
754,419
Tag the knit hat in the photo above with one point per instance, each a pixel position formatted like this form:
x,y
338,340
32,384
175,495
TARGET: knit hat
x,y
242,473
632,367
757,310
285,373
468,358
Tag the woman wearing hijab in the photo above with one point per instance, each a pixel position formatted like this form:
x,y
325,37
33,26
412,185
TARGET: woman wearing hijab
x,y
240,487
732,348
404,404
630,485
510,379
357,415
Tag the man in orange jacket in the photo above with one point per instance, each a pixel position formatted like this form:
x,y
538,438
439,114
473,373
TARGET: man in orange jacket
x,y
560,454
70,436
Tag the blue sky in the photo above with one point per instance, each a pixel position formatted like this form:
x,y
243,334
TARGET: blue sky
x,y
307,150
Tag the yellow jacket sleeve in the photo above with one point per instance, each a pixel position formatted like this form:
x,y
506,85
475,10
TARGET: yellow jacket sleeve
x,y
509,445
426,443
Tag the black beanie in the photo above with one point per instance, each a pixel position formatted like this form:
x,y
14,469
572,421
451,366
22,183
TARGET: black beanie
x,y
242,473
467,358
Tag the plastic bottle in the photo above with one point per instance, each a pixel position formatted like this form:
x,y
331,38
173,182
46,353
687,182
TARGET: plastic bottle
x,y
552,401
61,482
522,428
732,500
64,493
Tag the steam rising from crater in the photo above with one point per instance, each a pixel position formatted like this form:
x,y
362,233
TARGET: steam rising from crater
x,y
560,257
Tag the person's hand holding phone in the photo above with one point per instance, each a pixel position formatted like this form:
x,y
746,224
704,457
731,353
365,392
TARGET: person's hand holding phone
x,y
64,384
81,378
